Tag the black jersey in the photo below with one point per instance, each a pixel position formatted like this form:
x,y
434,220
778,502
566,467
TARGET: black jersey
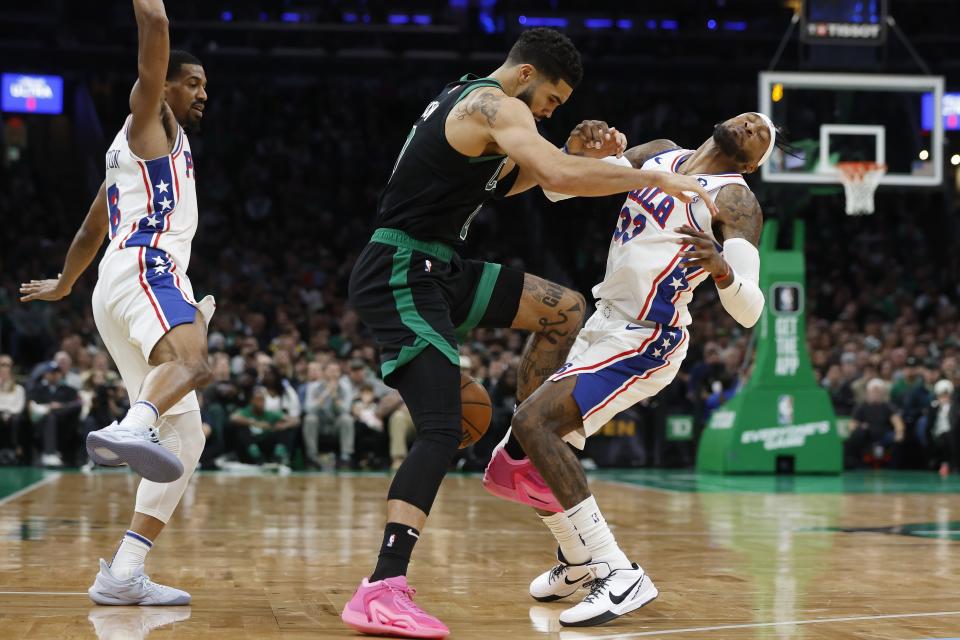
x,y
435,191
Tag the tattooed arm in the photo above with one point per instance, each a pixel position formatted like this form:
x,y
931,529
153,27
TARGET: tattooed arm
x,y
740,215
589,139
492,122
737,270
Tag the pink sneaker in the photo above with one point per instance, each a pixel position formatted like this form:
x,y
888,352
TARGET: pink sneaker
x,y
518,481
386,607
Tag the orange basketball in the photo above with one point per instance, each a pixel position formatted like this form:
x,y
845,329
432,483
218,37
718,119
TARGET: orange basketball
x,y
475,411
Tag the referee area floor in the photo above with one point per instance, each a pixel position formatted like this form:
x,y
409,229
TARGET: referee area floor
x,y
864,555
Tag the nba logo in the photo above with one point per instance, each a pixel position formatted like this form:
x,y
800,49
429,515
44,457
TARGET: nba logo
x,y
787,298
391,540
785,409
427,266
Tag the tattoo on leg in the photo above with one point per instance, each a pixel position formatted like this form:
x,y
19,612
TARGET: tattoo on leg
x,y
552,296
538,427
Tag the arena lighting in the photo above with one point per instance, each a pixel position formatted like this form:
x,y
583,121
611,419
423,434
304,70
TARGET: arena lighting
x,y
535,21
734,25
350,17
227,16
31,93
776,92
924,154
669,25
651,24
290,16
955,159
487,23
398,18
711,24
422,19
950,109
598,23
625,24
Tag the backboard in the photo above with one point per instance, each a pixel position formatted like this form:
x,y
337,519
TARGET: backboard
x,y
836,117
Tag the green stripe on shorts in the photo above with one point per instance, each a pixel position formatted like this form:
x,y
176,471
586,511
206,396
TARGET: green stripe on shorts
x,y
411,318
481,299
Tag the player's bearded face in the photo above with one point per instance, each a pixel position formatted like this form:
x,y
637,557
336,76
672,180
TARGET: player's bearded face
x,y
725,136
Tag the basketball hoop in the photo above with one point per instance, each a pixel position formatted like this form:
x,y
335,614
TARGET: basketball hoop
x,y
860,180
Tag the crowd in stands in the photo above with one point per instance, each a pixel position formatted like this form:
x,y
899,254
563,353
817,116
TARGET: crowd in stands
x,y
286,207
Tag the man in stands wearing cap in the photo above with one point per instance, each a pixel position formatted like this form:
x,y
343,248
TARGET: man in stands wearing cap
x,y
55,412
631,348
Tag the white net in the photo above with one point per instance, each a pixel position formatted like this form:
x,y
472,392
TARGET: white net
x,y
860,181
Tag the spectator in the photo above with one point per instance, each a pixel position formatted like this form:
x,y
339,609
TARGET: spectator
x,y
261,434
13,400
102,404
841,394
875,427
368,429
327,413
359,375
71,377
281,396
943,427
55,412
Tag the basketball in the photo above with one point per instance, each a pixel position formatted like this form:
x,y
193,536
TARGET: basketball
x,y
475,412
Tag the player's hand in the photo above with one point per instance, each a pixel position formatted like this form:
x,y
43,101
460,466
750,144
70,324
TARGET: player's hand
x,y
594,139
680,187
703,253
50,290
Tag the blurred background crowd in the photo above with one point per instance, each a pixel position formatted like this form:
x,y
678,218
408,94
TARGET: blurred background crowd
x,y
290,161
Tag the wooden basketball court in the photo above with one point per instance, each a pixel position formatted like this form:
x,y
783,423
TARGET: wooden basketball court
x,y
865,556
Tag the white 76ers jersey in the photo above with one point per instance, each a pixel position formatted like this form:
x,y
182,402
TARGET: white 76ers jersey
x,y
645,279
152,203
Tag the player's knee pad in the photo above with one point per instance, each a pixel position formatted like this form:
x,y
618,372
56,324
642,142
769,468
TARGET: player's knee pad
x,y
430,386
183,435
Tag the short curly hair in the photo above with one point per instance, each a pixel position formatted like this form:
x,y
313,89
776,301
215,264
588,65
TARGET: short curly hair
x,y
551,52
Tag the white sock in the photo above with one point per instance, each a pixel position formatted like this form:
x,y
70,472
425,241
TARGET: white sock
x,y
566,534
130,556
592,527
141,414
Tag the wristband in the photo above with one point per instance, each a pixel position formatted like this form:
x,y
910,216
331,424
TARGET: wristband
x,y
728,275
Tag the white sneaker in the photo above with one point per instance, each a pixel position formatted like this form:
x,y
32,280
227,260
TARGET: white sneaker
x,y
613,593
561,581
133,623
51,460
136,590
136,446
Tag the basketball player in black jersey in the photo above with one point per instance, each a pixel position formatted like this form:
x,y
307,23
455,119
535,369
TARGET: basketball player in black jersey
x,y
475,141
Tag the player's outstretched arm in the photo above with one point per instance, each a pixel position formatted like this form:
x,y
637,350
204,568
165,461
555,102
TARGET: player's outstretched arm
x,y
86,243
514,131
590,139
736,271
147,136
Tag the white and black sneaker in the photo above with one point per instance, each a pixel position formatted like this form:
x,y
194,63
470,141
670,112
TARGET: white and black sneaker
x,y
613,593
561,581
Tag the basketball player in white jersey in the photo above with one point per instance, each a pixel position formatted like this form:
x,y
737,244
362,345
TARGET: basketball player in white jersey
x,y
143,303
630,349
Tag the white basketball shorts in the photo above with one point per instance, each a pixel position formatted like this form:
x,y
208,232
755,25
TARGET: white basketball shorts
x,y
618,363
140,296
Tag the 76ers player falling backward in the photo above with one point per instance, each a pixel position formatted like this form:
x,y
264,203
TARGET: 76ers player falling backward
x,y
630,349
143,303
